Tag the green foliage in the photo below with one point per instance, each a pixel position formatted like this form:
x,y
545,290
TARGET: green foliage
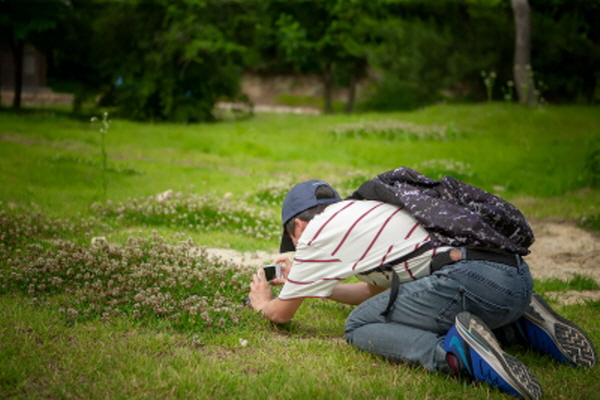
x,y
144,279
439,168
270,195
393,130
24,19
308,101
22,23
173,61
592,168
52,161
578,283
407,61
120,293
566,56
191,212
591,222
422,62
327,39
104,128
22,228
352,182
128,356
488,80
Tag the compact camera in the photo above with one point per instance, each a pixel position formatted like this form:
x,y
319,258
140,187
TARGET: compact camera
x,y
272,271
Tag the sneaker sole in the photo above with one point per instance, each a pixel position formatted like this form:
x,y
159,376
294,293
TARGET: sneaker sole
x,y
562,335
481,339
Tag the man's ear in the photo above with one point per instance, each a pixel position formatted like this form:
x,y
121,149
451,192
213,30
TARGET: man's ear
x,y
300,224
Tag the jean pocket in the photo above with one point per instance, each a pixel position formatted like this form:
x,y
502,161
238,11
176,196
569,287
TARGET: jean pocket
x,y
490,312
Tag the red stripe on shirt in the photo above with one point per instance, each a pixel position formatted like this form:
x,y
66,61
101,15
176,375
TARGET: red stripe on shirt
x,y
317,261
353,226
311,282
333,260
407,269
328,221
411,231
375,238
384,258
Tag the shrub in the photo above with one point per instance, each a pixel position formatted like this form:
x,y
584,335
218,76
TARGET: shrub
x,y
193,212
146,278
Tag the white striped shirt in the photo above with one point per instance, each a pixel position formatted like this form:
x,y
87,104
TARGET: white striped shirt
x,y
351,237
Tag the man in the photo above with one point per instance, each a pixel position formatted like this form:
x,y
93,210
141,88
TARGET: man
x,y
449,300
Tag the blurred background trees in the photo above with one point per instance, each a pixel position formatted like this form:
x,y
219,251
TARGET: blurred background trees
x,y
175,59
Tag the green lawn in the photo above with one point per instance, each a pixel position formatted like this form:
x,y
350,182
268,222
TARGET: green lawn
x,y
136,315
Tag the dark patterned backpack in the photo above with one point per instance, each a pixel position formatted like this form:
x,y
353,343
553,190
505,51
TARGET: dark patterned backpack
x,y
453,212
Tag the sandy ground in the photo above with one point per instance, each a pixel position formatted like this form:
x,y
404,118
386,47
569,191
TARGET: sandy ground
x,y
560,251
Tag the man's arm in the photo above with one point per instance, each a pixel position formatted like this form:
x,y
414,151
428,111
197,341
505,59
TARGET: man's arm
x,y
281,311
354,293
261,299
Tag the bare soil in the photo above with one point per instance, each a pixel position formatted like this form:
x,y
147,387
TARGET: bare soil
x,y
561,250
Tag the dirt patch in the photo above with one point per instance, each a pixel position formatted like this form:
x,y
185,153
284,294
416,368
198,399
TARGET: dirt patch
x,y
18,139
561,250
250,260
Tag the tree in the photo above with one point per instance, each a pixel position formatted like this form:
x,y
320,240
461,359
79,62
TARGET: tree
x,y
305,44
522,59
427,52
353,31
325,38
172,60
566,50
20,22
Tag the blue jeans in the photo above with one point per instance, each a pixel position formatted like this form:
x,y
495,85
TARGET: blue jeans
x,y
413,331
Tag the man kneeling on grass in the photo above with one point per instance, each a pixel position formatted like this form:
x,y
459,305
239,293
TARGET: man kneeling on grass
x,y
445,298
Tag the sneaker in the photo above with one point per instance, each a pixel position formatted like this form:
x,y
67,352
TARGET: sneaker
x,y
477,351
550,333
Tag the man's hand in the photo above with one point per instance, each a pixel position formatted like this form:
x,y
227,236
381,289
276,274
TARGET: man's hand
x,y
261,299
260,291
286,267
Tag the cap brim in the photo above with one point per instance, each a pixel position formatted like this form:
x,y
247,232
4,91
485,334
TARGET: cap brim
x,y
286,244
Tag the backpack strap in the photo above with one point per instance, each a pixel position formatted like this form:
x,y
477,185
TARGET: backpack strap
x,y
395,278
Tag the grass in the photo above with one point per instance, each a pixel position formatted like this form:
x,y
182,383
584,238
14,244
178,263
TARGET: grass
x,y
578,283
104,292
541,153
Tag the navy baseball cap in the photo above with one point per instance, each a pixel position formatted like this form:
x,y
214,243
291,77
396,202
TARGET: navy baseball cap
x,y
301,198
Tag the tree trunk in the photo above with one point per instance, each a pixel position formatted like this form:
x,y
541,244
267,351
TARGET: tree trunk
x,y
523,72
351,94
328,88
17,47
357,69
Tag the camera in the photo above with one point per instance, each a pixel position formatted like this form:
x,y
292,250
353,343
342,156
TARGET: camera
x,y
272,271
